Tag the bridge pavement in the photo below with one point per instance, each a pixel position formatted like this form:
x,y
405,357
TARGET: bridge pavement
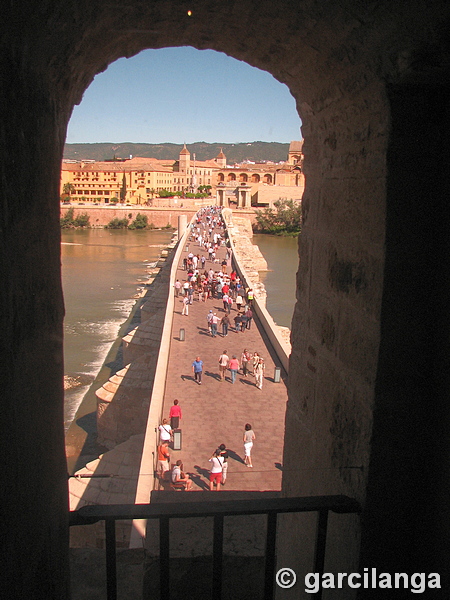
x,y
216,412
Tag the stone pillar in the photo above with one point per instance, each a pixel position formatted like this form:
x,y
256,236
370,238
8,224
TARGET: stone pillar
x,y
220,195
244,199
34,471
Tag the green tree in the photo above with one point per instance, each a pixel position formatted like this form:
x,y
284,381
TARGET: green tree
x,y
81,220
140,222
66,221
68,188
284,219
117,223
69,222
205,189
123,189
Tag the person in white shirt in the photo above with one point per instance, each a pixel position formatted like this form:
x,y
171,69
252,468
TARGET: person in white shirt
x,y
223,364
215,475
165,431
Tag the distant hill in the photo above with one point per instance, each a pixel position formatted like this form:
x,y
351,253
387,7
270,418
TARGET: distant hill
x,y
235,153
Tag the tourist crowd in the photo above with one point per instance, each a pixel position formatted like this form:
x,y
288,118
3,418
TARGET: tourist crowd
x,y
202,284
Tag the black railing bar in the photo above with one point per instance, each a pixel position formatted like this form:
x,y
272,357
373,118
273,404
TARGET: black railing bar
x,y
92,513
164,558
270,555
321,542
217,558
111,565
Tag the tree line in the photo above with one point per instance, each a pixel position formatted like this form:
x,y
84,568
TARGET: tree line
x,y
68,221
284,219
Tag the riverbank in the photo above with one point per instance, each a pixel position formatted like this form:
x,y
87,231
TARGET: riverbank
x,y
81,436
160,216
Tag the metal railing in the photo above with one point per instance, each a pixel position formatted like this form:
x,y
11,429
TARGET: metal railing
x,y
271,507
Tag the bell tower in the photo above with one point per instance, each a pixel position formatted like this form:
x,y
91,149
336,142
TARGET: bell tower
x,y
185,160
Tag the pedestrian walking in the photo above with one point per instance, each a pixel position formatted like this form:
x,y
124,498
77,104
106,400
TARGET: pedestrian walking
x,y
245,359
249,315
243,322
177,287
197,369
234,368
255,361
191,293
214,322
225,321
209,317
259,373
175,415
223,364
225,301
239,301
215,475
224,454
224,265
185,310
249,437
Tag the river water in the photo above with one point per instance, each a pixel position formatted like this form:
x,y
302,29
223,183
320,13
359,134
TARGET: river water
x,y
102,272
281,254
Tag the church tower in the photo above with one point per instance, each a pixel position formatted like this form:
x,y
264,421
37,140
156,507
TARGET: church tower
x,y
221,159
184,160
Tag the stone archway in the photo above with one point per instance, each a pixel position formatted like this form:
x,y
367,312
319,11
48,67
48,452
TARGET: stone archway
x,y
336,63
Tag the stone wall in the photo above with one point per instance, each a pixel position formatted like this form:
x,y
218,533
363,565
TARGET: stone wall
x,y
101,216
271,193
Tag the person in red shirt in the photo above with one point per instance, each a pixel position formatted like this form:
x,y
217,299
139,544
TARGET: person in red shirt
x,y
233,365
175,415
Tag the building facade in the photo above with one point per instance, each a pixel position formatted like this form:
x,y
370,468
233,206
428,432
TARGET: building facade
x,y
138,180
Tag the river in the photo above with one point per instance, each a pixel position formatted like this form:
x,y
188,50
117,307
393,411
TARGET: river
x,y
102,272
281,254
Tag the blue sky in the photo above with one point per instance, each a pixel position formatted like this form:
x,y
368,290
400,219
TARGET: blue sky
x,y
184,95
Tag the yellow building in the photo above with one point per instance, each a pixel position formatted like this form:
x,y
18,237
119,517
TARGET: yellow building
x,y
189,175
102,182
138,180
